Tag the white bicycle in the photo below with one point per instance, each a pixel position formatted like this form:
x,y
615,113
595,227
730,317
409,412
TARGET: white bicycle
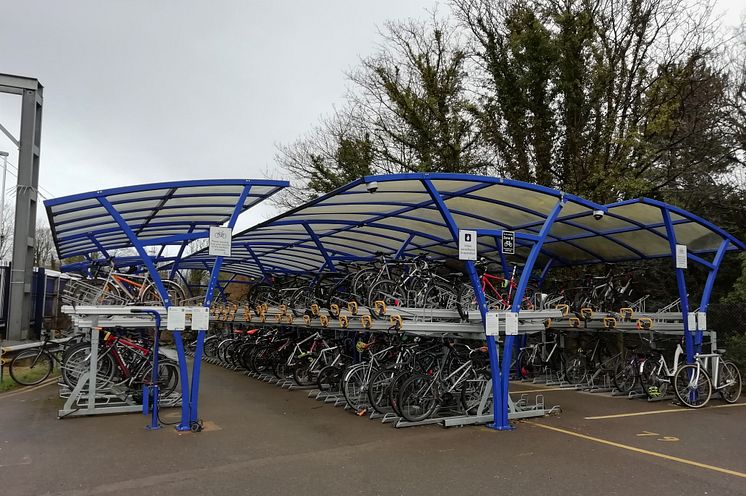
x,y
694,383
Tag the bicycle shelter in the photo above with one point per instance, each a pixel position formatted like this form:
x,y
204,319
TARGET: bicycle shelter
x,y
404,215
153,215
401,216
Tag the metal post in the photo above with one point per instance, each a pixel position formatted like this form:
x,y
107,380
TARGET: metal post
x,y
681,285
2,195
497,398
709,284
24,237
503,423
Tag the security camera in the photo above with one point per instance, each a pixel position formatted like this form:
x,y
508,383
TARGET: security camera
x,y
598,214
372,186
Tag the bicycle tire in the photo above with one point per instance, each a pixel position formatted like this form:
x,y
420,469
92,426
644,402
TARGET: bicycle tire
x,y
729,372
378,389
353,386
31,367
418,398
329,378
693,395
77,363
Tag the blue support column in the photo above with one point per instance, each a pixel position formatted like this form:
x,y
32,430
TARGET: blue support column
x,y
498,404
193,395
681,285
707,292
504,423
146,259
403,247
320,246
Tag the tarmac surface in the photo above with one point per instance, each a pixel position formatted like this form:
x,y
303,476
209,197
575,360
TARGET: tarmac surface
x,y
261,440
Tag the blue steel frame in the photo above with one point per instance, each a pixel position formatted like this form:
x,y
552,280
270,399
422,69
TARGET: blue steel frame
x,y
537,240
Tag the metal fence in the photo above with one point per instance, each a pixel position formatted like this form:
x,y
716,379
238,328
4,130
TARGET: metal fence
x,y
46,288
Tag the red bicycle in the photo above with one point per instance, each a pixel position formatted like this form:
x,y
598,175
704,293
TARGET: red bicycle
x,y
122,362
498,292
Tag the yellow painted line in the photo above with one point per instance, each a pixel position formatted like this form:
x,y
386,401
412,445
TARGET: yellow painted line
x,y
541,390
28,389
642,451
656,412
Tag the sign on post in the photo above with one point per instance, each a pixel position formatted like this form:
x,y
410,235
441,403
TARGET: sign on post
x,y
177,318
220,241
467,245
492,324
511,324
681,257
509,242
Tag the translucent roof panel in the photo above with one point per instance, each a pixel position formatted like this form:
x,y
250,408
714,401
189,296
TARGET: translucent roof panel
x,y
404,215
160,213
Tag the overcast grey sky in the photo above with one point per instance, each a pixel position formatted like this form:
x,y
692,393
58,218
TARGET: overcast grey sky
x,y
150,90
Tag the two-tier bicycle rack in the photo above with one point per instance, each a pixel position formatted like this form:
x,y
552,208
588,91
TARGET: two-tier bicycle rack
x,y
404,215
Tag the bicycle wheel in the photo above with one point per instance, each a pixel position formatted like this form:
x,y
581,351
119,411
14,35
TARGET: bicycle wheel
x,y
77,363
387,291
329,378
31,367
625,376
576,370
652,383
378,389
730,378
353,386
418,398
693,386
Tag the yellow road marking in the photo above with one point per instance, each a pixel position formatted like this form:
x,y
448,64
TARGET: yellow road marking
x,y
51,380
541,390
647,433
642,451
656,412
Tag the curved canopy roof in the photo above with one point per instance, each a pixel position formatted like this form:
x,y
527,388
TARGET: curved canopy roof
x,y
404,216
157,214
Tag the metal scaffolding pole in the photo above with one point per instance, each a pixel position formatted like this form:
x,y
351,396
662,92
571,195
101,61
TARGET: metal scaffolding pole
x,y
24,235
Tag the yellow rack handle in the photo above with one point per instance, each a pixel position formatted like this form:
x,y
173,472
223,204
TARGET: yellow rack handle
x,y
278,317
574,322
247,315
644,323
366,321
324,320
379,307
396,322
565,309
334,309
344,321
586,313
626,313
609,323
307,319
283,309
314,309
548,324
352,307
262,318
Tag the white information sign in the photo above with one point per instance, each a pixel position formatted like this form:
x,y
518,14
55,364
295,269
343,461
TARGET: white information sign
x,y
701,321
692,321
200,318
508,242
492,324
467,245
220,241
511,324
176,318
681,257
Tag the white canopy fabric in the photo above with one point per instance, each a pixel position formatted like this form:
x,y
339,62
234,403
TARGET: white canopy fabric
x,y
402,216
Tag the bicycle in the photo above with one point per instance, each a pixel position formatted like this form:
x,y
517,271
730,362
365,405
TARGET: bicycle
x,y
34,366
694,382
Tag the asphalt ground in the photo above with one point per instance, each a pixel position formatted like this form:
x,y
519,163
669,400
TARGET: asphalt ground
x,y
263,440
